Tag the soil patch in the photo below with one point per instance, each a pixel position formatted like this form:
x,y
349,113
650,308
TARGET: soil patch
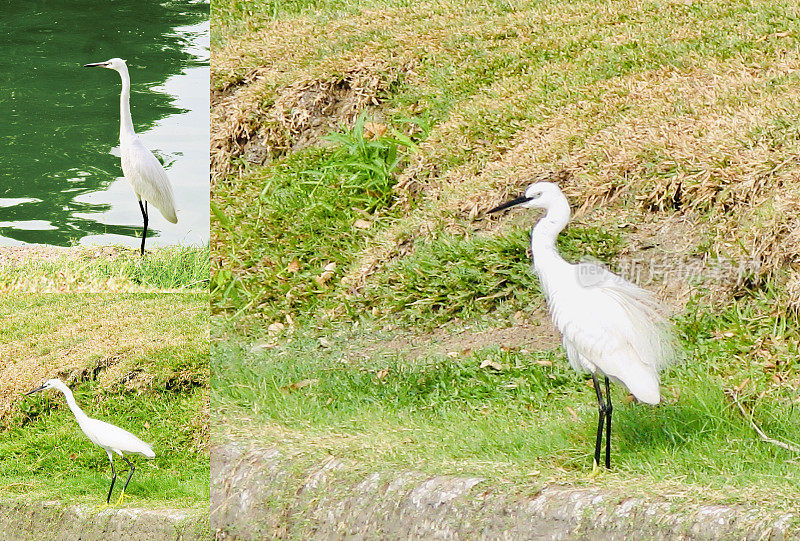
x,y
536,333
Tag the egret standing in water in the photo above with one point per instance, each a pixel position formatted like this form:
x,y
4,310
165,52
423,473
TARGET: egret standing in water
x,y
609,326
109,437
139,165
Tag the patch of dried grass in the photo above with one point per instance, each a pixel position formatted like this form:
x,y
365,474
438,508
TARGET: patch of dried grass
x,y
699,141
201,424
96,338
685,129
273,96
17,256
261,121
793,290
770,232
270,86
645,145
282,46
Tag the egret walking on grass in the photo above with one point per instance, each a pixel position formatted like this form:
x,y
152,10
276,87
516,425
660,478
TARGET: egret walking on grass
x,y
609,326
140,167
111,438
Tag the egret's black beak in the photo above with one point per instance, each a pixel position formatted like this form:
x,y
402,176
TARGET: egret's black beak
x,y
95,65
33,391
509,204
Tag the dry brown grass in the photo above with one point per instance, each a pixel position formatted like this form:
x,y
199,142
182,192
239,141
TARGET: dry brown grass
x,y
702,141
658,144
301,114
201,424
21,255
284,86
273,95
102,337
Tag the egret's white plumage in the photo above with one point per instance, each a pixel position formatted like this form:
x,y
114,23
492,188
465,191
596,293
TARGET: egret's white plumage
x,y
110,437
608,325
144,172
147,176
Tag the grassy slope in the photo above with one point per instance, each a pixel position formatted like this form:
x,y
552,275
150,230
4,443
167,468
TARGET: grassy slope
x,y
136,359
624,104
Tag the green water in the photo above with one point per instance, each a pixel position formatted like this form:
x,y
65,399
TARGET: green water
x,y
60,180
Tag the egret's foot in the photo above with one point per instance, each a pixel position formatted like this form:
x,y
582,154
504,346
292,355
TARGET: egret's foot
x,y
103,506
119,500
596,469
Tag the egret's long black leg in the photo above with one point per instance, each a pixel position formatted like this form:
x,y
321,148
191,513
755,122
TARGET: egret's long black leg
x,y
609,408
143,208
133,469
601,409
113,478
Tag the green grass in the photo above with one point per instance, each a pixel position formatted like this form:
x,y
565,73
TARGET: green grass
x,y
493,73
300,219
465,277
278,229
47,456
137,360
447,415
178,267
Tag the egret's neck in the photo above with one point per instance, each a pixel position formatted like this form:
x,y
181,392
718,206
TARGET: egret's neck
x,y
125,122
77,411
544,233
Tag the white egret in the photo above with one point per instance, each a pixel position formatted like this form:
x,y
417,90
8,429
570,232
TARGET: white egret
x,y
609,326
111,438
139,165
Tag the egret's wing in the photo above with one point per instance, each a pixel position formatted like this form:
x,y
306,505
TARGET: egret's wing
x,y
650,330
634,316
110,436
148,178
614,325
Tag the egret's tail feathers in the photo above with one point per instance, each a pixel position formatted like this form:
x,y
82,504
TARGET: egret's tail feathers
x,y
148,451
641,381
163,200
169,214
651,333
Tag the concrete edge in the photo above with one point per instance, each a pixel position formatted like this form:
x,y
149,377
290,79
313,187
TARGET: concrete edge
x,y
262,493
52,520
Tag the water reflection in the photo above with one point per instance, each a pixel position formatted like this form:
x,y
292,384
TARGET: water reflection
x,y
59,179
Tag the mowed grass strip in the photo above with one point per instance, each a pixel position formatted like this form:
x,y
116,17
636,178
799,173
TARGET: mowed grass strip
x,y
107,268
525,419
137,360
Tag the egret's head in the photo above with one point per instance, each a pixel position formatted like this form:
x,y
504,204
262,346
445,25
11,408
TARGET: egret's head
x,y
49,384
540,195
116,64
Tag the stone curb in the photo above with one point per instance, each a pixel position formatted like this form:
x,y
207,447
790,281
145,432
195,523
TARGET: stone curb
x,y
54,521
261,493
